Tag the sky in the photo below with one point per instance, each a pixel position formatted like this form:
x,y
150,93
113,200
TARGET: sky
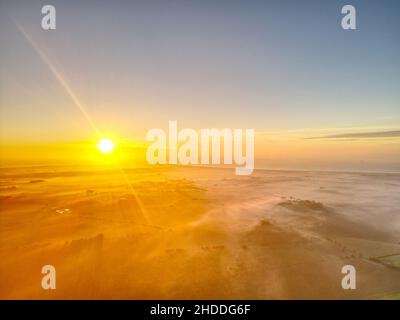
x,y
285,68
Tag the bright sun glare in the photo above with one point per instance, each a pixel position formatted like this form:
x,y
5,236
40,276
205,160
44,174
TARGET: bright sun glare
x,y
105,145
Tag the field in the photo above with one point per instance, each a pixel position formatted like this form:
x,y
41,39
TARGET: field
x,y
194,233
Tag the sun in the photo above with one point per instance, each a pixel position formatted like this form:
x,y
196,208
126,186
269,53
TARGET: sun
x,y
105,145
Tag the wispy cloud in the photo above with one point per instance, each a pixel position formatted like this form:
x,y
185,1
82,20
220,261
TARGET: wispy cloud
x,y
362,135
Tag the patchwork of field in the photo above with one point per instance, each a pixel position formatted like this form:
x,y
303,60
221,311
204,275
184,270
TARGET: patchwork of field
x,y
198,233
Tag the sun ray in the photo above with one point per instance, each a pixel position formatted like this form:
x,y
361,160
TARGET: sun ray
x,y
79,105
58,76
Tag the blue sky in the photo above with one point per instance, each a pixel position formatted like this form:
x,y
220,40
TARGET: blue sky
x,y
271,65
